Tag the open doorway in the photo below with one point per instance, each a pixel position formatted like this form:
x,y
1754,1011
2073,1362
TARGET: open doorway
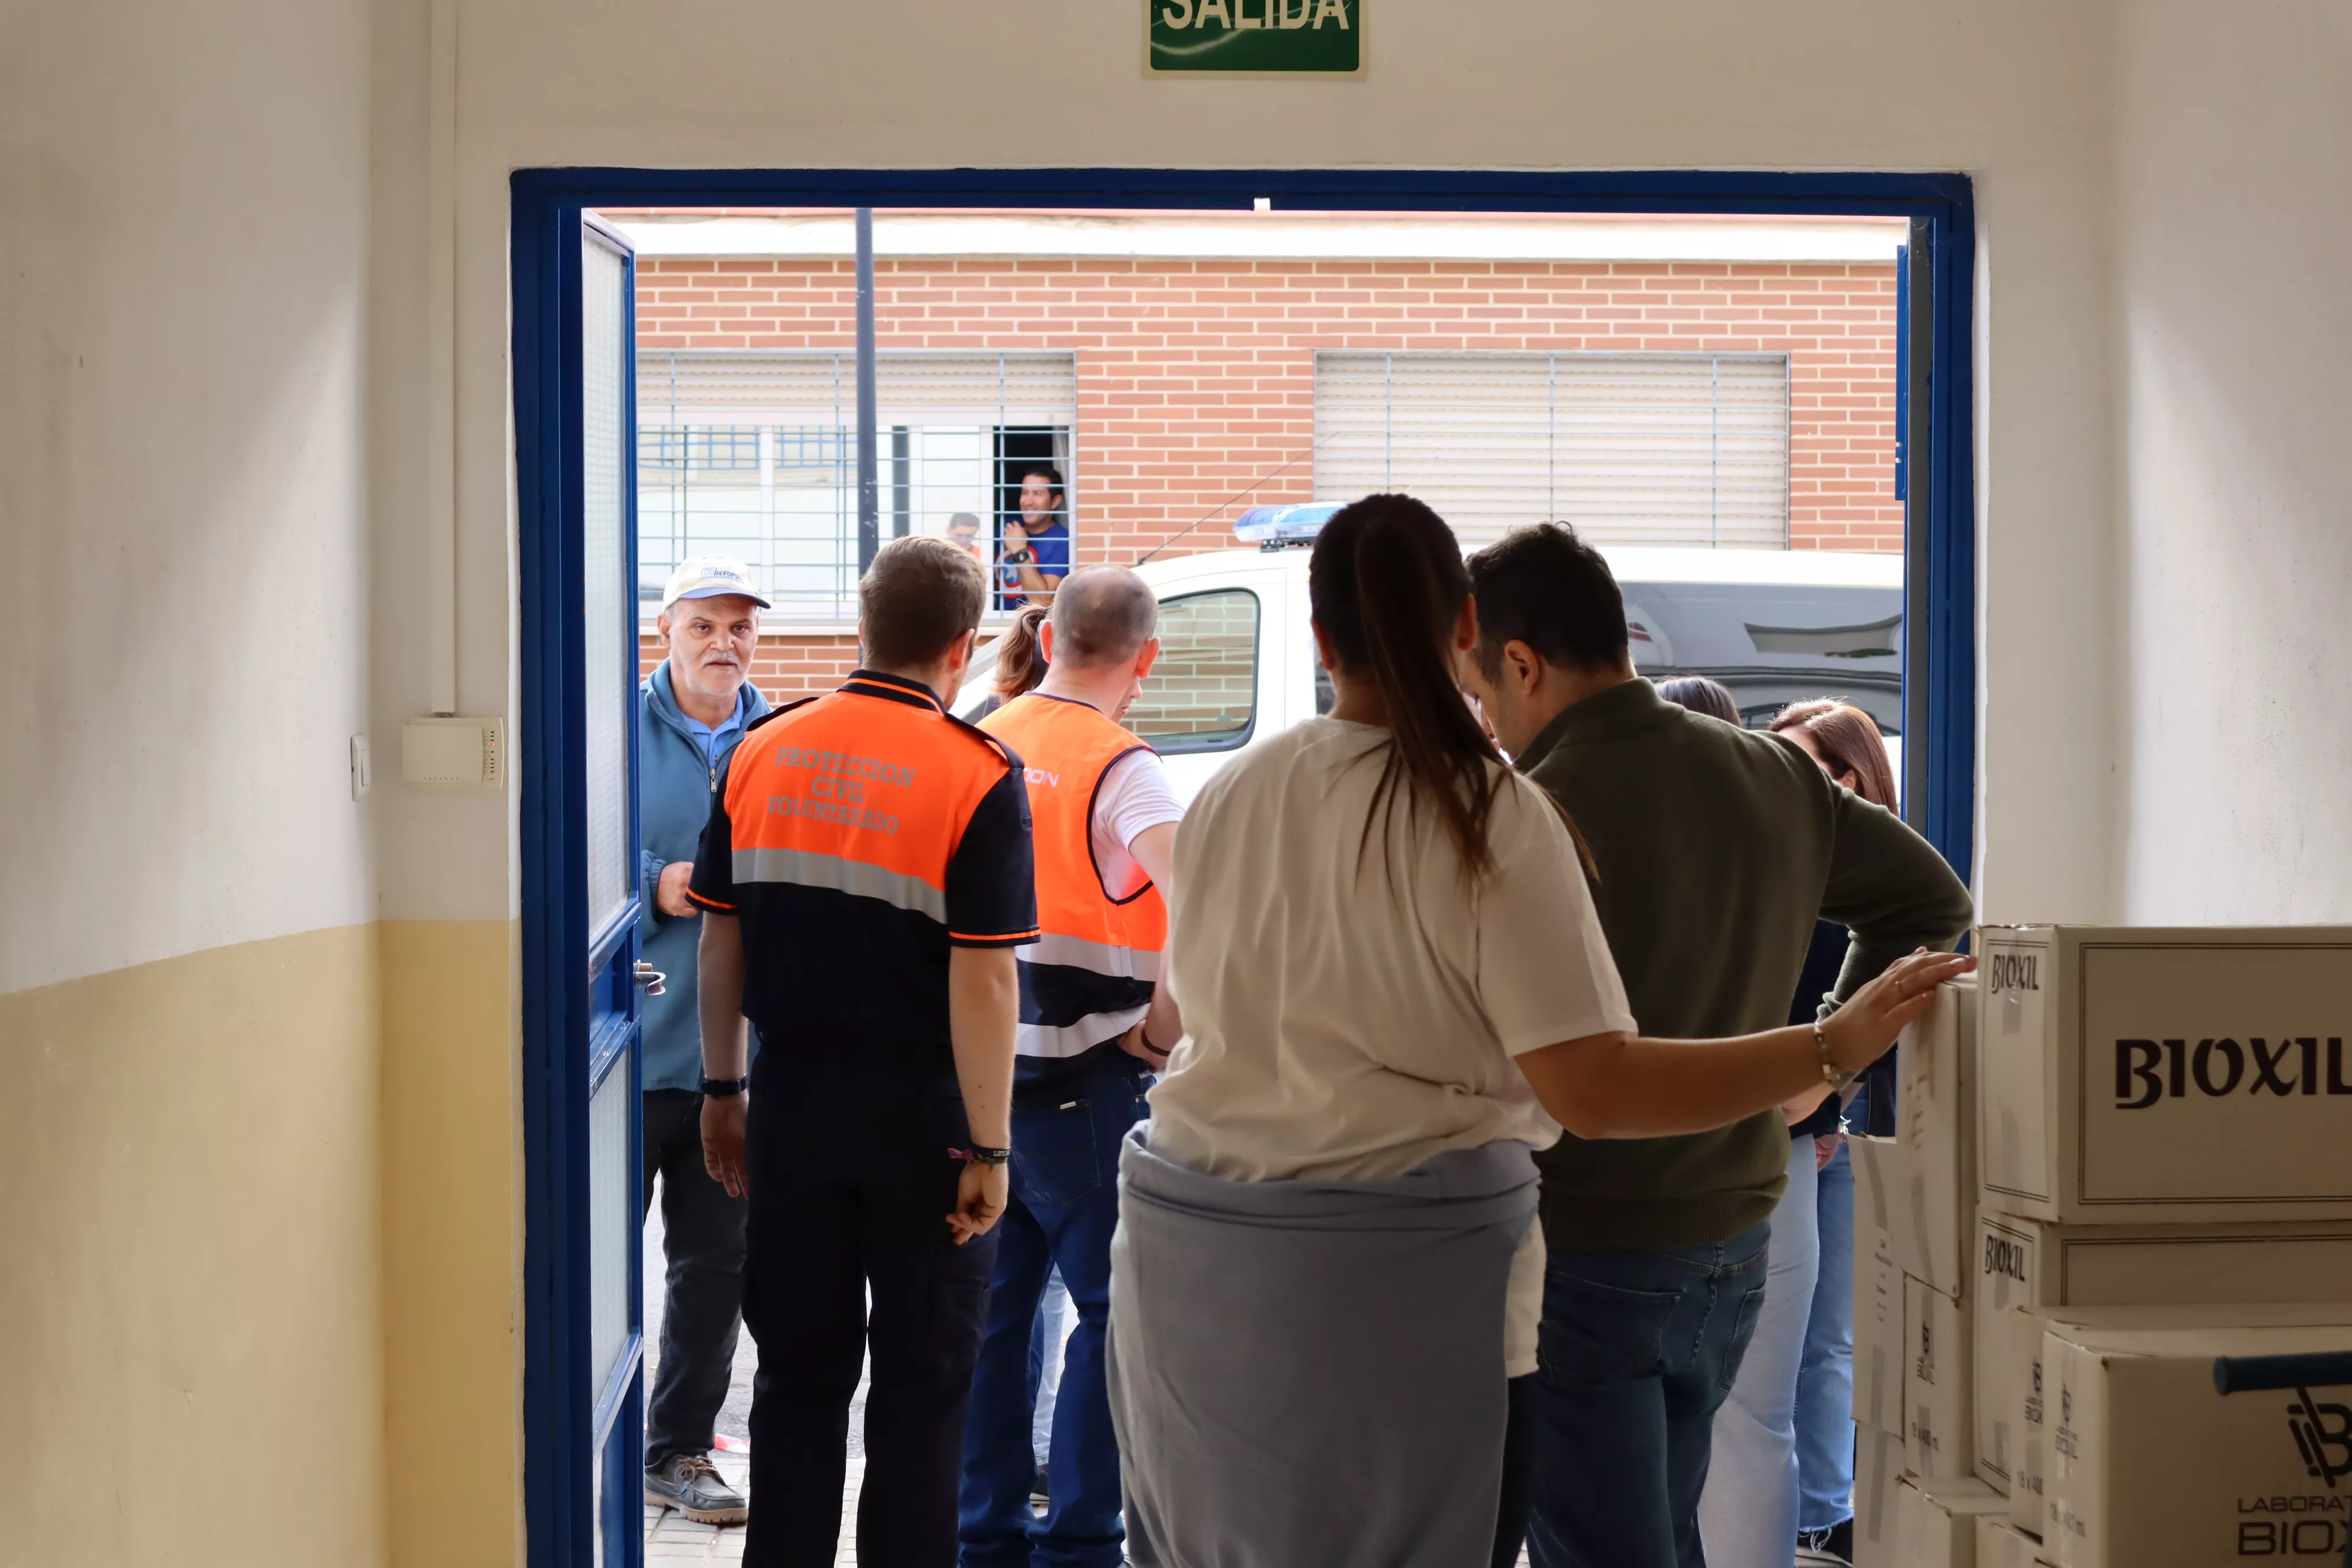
x,y
1719,392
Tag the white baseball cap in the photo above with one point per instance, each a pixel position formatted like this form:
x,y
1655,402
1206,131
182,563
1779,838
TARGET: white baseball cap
x,y
710,577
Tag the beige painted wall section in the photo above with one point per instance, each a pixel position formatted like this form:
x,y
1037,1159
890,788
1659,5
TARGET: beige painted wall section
x,y
190,1336
452,1244
2234,219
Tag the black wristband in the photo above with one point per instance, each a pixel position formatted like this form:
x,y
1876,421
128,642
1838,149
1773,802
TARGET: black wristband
x,y
724,1088
981,1154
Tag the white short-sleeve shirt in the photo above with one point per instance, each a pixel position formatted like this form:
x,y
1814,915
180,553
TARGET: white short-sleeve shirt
x,y
1352,1015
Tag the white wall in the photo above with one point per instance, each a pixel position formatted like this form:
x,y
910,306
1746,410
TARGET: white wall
x,y
2013,92
182,530
2235,222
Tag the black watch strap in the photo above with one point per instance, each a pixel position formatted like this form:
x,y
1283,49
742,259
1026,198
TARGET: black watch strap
x,y
724,1088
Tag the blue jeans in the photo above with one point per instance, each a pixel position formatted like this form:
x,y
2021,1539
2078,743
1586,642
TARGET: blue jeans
x,y
1748,1512
1637,1351
1825,1379
1065,1206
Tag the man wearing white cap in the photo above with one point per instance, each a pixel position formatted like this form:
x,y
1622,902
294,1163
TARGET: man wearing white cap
x,y
691,711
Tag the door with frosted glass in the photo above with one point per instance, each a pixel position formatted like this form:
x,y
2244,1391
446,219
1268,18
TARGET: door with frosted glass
x,y
606,488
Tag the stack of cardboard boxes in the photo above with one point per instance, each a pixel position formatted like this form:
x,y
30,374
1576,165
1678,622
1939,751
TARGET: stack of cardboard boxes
x,y
2122,1154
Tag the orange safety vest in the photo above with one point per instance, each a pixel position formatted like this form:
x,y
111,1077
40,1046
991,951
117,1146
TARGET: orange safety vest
x,y
1087,978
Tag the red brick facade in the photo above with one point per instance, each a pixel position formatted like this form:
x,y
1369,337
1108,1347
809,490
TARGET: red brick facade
x,y
1197,378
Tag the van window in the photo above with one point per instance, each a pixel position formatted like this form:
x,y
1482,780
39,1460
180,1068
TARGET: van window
x,y
1203,694
1774,644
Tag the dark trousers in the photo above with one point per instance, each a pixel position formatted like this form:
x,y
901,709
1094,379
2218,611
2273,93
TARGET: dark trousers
x,y
1611,1437
702,1280
1064,1207
851,1186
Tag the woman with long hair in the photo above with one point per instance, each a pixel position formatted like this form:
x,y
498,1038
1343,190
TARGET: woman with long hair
x,y
1793,1400
1844,739
1387,987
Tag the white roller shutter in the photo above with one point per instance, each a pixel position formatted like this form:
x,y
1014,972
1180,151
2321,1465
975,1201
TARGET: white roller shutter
x,y
819,387
1689,449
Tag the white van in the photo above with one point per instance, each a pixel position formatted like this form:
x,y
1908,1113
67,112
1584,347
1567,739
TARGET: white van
x,y
1237,660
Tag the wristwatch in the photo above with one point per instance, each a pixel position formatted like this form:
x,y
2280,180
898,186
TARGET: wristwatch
x,y
1831,1074
724,1088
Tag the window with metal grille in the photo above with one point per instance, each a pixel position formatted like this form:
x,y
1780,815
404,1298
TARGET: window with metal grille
x,y
1689,449
753,453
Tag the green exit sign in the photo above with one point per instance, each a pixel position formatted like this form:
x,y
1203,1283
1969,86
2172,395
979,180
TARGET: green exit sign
x,y
1288,38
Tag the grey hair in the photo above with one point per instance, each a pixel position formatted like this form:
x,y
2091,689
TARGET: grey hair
x,y
1102,614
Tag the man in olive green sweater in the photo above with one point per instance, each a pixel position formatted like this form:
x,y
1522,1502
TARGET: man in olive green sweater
x,y
1715,850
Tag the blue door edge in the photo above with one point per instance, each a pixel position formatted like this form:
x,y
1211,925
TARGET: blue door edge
x,y
546,208
568,1412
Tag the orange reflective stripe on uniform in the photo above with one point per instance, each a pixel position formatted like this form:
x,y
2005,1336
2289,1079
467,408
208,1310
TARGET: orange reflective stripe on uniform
x,y
1088,977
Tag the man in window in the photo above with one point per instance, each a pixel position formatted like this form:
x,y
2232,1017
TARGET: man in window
x,y
1036,554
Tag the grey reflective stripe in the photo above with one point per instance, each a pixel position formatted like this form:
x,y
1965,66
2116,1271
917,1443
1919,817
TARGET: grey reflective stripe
x,y
1071,1039
1077,953
805,868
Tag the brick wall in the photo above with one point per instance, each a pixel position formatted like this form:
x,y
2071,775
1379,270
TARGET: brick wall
x,y
1196,378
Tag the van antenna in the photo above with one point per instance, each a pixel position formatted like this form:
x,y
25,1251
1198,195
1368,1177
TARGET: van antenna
x,y
1241,495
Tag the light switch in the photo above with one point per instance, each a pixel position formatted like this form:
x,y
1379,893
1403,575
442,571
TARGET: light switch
x,y
453,754
361,776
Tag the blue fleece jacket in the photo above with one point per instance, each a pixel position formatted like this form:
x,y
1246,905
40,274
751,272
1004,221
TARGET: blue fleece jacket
x,y
674,785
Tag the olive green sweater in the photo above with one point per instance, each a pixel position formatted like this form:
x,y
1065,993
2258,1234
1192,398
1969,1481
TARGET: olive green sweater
x,y
1718,848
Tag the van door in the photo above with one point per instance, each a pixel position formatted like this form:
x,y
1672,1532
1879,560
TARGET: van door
x,y
1214,689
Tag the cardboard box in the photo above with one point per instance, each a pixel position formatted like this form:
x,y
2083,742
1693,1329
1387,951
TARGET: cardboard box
x,y
1935,1522
2041,1265
1934,1206
2150,1467
1878,1188
2025,1267
2012,1394
2011,1405
1877,1476
1938,1385
1878,1341
2165,1074
2001,1546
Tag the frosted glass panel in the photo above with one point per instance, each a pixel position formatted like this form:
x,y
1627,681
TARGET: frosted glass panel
x,y
610,594
611,1212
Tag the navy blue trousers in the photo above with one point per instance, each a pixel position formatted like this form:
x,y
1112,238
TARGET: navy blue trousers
x,y
1065,1206
852,1183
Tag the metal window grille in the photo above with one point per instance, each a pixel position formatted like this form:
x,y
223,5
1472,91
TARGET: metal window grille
x,y
753,453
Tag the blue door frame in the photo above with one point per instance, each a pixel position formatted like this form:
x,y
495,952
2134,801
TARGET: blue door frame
x,y
1939,655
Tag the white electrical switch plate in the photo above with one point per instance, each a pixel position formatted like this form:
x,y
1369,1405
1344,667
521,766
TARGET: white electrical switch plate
x,y
361,774
453,754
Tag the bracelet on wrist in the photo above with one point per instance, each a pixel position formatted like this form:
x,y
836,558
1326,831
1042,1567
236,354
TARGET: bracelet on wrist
x,y
724,1088
981,1154
1831,1074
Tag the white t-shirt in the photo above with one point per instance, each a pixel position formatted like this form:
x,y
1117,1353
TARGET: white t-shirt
x,y
1134,797
1351,1019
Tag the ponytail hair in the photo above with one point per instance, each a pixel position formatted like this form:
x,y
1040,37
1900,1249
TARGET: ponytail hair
x,y
1387,586
1022,664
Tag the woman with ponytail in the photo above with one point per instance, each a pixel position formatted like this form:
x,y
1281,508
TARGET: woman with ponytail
x,y
1387,987
1022,664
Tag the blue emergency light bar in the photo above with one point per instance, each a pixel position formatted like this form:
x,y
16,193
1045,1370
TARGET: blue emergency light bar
x,y
1278,525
